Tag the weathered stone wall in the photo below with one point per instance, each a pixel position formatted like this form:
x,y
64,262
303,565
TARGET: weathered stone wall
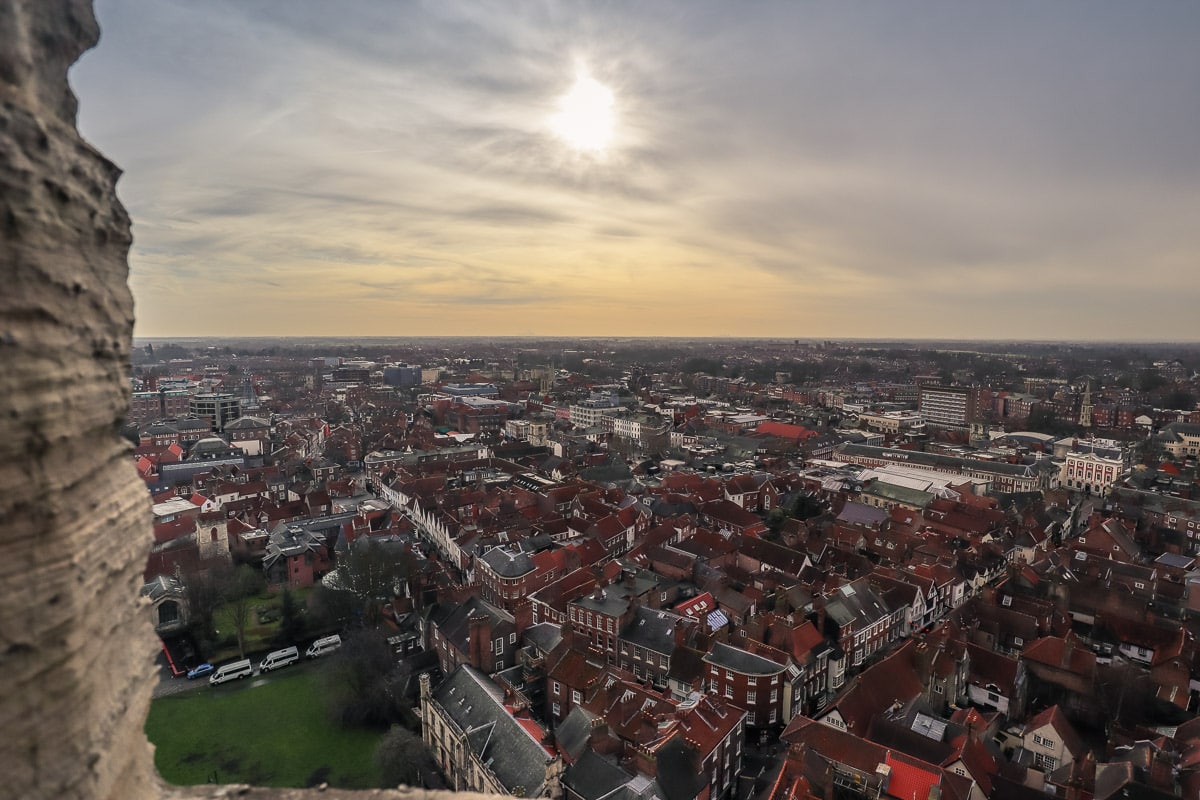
x,y
75,648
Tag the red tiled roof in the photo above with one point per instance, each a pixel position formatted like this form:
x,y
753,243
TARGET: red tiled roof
x,y
909,781
785,431
1050,651
697,607
1067,734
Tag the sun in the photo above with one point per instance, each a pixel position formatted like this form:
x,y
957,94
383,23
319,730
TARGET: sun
x,y
585,118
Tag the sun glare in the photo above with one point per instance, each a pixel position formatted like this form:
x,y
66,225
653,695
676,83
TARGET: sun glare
x,y
585,117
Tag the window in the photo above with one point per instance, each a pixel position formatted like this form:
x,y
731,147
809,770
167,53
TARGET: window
x,y
576,697
774,695
1045,762
555,709
512,638
712,686
498,646
751,697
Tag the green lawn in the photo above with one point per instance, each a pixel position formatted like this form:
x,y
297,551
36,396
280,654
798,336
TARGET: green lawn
x,y
270,735
260,637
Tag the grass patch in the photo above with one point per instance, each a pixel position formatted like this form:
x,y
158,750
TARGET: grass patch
x,y
260,636
276,734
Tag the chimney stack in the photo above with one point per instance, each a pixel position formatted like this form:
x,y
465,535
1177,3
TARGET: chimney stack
x,y
522,615
680,633
479,643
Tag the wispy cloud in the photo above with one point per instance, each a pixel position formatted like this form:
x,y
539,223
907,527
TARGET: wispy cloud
x,y
779,169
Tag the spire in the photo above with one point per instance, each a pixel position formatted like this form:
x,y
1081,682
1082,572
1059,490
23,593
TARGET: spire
x,y
1085,408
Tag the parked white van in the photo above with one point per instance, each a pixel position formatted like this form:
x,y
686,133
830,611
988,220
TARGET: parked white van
x,y
231,671
322,646
279,658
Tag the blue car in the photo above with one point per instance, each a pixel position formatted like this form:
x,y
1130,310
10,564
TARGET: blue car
x,y
199,671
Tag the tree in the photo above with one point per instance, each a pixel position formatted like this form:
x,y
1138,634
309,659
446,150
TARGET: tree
x,y
1180,399
401,757
1150,380
204,595
246,582
363,683
374,571
291,619
331,609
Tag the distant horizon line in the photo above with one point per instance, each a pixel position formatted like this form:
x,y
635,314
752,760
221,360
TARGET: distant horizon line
x,y
614,337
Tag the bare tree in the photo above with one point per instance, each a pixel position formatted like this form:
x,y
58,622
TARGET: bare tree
x,y
240,590
363,683
205,593
401,757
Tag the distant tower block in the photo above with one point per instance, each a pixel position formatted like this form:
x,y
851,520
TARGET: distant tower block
x,y
1085,408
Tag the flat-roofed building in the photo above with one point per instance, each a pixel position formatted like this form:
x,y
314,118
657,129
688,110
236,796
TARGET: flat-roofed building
x,y
219,409
893,422
953,406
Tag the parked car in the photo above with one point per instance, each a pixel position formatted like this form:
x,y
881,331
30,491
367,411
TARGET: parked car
x,y
199,671
233,671
322,646
279,658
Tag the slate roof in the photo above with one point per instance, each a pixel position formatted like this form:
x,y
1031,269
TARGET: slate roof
x,y
862,515
162,586
454,621
247,423
955,463
856,601
476,706
291,540
654,630
738,660
594,776
545,636
572,733
680,772
506,563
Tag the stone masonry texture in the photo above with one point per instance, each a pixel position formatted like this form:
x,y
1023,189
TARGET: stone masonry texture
x,y
76,648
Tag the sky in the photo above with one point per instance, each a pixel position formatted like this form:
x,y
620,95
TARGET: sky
x,y
957,169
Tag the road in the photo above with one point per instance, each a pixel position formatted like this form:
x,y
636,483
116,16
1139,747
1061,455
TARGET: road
x,y
168,685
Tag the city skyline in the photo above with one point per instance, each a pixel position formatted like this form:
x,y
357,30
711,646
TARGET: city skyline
x,y
931,171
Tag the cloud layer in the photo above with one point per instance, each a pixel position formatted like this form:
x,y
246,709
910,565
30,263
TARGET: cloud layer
x,y
935,169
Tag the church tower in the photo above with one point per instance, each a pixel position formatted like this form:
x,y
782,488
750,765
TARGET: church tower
x,y
1085,408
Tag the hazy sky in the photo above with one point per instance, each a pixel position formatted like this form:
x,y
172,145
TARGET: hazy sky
x,y
838,169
